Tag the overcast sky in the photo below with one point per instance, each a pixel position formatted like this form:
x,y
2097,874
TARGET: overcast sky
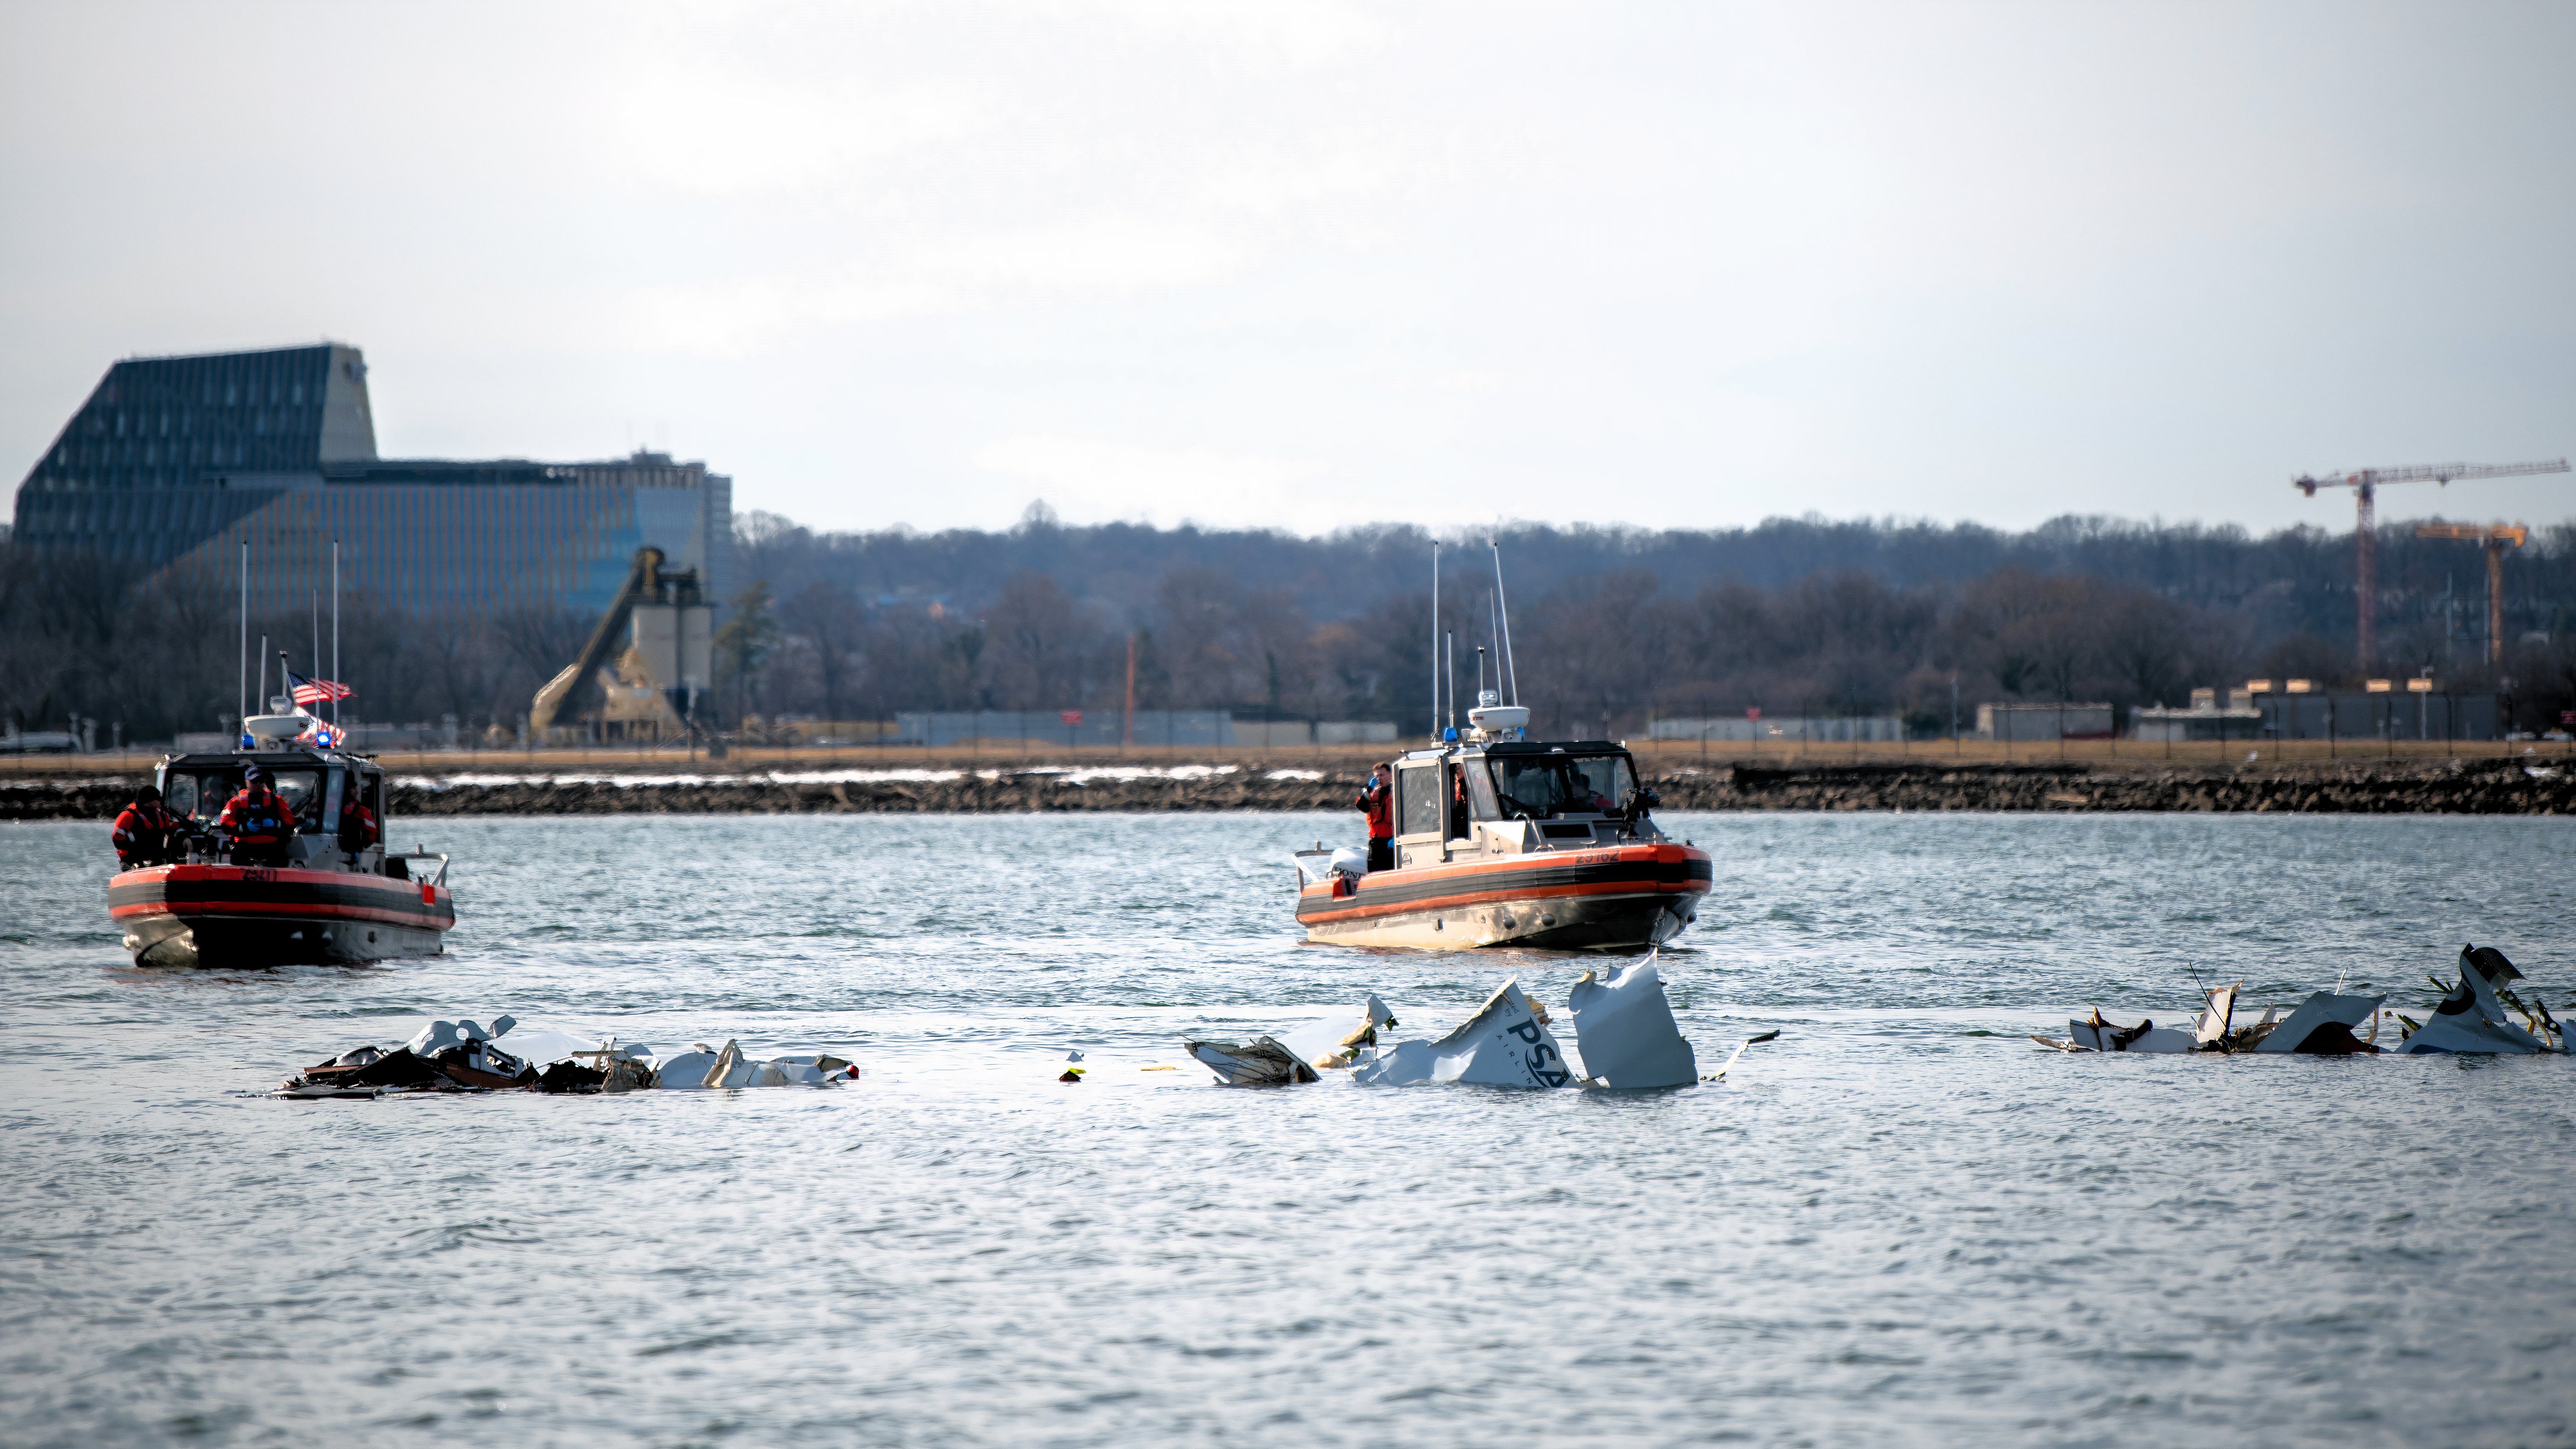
x,y
1311,265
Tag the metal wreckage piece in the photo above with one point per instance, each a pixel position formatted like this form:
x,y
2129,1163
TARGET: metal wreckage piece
x,y
1624,1034
2470,1019
461,1056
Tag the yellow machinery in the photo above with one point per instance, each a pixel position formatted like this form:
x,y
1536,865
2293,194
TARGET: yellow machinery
x,y
2496,538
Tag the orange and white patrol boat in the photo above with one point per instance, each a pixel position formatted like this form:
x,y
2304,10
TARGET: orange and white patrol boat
x,y
1502,841
340,897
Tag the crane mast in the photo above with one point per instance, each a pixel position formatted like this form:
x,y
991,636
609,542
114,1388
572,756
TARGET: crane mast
x,y
2364,483
2495,538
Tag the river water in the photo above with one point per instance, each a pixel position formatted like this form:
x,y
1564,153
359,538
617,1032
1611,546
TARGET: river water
x,y
1898,1223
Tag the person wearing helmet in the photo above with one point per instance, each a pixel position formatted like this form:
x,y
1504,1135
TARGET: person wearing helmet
x,y
146,833
258,821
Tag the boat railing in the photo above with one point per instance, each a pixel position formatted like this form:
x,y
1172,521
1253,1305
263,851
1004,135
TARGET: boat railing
x,y
408,856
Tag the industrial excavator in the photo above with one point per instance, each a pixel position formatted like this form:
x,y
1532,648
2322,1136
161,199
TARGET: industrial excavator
x,y
658,678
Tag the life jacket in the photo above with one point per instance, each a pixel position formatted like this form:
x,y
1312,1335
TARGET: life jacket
x,y
144,831
256,816
357,827
1379,802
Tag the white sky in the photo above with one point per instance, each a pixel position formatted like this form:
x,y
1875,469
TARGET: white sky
x,y
1310,265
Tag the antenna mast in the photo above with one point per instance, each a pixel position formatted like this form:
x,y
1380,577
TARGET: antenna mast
x,y
1435,641
241,657
1503,609
335,631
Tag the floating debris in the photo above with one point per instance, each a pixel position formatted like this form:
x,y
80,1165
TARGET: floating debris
x,y
461,1056
1261,1062
1623,1024
1505,1044
2471,1016
1757,1039
1624,1029
1337,1041
2470,1019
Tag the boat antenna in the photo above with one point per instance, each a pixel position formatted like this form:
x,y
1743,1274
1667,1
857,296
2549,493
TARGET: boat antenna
x,y
1451,638
241,657
263,676
1480,679
1503,613
313,661
1435,641
335,632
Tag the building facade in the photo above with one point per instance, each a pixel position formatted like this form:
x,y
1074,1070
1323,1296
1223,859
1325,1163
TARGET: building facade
x,y
174,462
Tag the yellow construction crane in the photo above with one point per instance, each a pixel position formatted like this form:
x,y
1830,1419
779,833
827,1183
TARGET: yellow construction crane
x,y
2496,537
2365,483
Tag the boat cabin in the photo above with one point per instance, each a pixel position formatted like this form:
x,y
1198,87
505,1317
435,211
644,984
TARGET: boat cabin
x,y
316,784
1514,797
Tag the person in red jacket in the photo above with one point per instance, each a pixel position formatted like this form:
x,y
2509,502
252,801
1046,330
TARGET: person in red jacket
x,y
357,825
147,834
1377,797
257,820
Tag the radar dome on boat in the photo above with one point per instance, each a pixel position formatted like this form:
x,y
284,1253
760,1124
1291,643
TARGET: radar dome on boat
x,y
1495,718
275,726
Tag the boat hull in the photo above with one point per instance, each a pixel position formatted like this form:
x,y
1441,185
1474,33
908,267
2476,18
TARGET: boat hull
x,y
1629,896
222,915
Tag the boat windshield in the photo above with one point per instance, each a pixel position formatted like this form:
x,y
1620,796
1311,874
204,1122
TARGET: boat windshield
x,y
1541,787
202,794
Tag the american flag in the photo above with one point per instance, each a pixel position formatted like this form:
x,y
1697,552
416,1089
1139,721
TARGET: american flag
x,y
321,732
315,691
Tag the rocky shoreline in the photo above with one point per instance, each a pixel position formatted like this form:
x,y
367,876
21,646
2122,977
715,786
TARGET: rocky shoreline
x,y
2481,787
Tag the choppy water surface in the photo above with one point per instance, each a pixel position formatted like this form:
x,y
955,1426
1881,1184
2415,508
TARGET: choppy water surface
x,y
1898,1223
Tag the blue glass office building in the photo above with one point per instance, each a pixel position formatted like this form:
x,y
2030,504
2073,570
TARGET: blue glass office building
x,y
174,461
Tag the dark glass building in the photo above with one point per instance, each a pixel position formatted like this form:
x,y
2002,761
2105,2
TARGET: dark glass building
x,y
175,461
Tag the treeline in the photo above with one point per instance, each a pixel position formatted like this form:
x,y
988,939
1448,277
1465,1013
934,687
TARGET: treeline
x,y
1610,651
1608,626
2298,580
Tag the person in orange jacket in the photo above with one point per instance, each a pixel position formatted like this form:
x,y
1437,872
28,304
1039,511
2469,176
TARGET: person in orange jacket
x,y
357,825
1377,798
146,833
257,821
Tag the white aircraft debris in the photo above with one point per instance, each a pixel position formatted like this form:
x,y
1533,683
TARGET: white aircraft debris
x,y
445,1056
1261,1062
1624,1031
2471,1018
1336,1040
1505,1044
